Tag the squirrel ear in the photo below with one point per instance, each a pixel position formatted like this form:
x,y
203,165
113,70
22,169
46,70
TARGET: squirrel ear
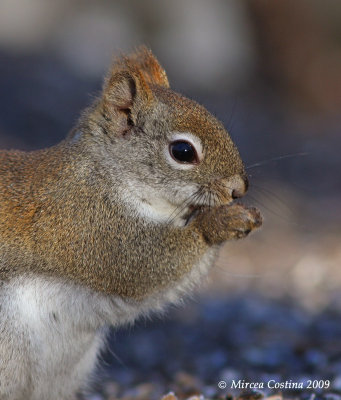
x,y
139,69
120,90
127,89
146,62
125,93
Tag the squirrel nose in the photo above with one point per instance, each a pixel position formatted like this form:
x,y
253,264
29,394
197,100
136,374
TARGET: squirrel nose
x,y
240,187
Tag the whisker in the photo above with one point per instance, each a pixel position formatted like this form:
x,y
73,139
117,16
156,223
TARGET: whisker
x,y
202,196
269,192
221,191
231,121
273,211
283,157
192,199
185,202
236,275
179,210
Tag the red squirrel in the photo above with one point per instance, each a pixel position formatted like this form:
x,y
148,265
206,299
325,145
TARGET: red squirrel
x,y
121,218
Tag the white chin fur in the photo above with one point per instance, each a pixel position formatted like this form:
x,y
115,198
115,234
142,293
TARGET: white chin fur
x,y
152,206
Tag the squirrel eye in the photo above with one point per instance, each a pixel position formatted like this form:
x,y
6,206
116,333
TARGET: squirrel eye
x,y
183,152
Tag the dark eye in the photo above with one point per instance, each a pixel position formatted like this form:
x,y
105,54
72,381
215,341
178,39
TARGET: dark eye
x,y
183,152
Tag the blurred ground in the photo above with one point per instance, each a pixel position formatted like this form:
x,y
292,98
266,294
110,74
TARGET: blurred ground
x,y
271,72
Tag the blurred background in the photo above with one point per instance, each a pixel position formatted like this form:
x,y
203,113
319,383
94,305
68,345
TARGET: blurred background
x,y
271,71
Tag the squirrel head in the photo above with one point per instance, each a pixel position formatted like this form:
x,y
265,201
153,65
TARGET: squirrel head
x,y
170,148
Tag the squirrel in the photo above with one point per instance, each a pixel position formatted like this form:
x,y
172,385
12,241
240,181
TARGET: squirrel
x,y
121,218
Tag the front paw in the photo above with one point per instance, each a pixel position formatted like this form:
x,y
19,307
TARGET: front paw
x,y
223,223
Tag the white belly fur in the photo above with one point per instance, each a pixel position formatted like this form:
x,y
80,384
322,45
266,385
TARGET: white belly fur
x,y
52,332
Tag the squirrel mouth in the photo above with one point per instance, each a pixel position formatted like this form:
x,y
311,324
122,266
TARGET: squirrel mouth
x,y
221,202
192,211
195,209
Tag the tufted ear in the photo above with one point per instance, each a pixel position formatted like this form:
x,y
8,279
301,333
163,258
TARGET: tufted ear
x,y
128,87
127,91
125,94
151,69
